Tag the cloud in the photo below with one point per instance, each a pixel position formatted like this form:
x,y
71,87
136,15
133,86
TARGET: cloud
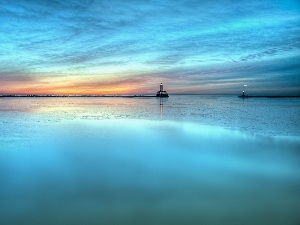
x,y
15,77
171,39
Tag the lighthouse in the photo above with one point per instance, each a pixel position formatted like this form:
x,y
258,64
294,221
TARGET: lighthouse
x,y
161,93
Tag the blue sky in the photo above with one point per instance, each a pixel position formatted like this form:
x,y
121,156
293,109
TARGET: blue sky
x,y
129,47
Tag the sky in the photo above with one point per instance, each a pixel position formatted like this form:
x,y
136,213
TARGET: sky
x,y
130,47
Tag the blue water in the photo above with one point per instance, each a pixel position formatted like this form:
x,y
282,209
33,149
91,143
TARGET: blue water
x,y
185,160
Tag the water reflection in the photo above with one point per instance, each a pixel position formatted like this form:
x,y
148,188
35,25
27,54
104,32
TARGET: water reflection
x,y
258,116
147,172
161,108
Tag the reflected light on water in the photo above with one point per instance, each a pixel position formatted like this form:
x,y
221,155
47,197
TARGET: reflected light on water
x,y
148,172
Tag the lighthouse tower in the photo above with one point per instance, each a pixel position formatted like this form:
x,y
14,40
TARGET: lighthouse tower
x,y
161,93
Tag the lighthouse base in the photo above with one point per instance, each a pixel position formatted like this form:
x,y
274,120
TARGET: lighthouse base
x,y
162,94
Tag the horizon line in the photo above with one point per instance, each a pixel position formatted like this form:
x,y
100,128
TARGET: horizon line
x,y
128,95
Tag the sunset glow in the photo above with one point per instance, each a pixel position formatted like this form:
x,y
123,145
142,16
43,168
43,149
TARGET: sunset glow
x,y
126,47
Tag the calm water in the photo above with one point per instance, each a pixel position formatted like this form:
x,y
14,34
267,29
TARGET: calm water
x,y
185,160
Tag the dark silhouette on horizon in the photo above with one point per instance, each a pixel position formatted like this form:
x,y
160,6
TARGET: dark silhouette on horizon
x,y
267,96
161,93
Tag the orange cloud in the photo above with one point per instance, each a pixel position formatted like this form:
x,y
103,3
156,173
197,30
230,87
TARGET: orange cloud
x,y
73,86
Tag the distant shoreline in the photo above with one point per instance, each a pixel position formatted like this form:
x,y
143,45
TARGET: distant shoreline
x,y
130,96
78,96
263,96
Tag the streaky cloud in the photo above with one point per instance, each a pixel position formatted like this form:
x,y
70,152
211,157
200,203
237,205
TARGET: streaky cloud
x,y
197,41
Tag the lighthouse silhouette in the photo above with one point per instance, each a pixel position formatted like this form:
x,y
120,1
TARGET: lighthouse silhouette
x,y
161,93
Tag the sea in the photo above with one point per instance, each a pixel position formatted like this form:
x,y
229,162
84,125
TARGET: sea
x,y
186,159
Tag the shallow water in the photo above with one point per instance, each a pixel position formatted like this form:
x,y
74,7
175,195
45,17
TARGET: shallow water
x,y
196,160
259,116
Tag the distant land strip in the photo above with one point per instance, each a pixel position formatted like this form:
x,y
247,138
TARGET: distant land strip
x,y
266,96
130,96
76,96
